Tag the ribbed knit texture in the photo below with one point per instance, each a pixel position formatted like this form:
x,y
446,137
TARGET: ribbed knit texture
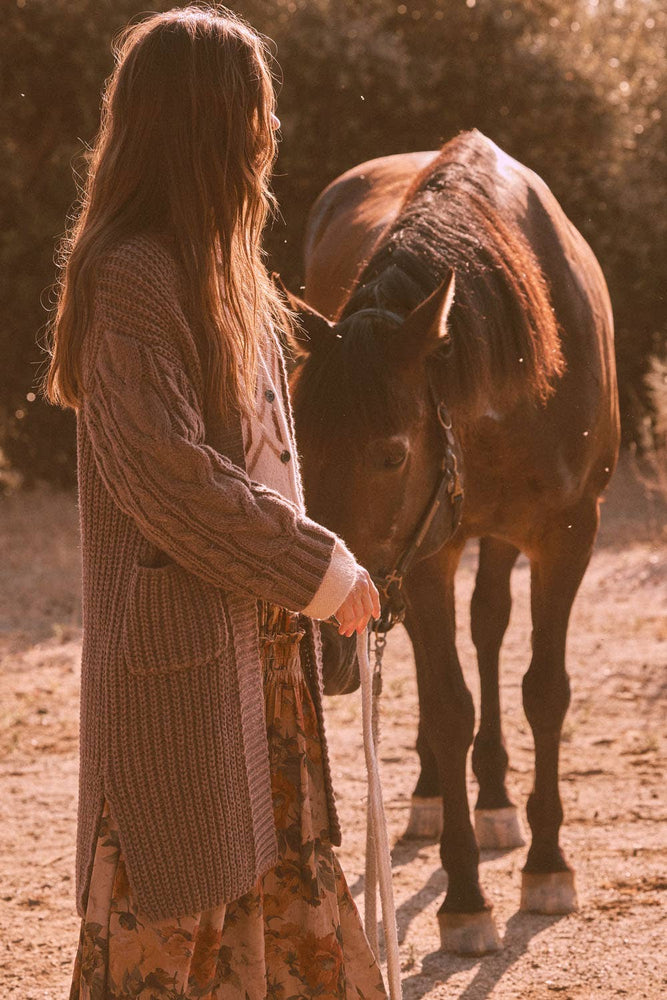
x,y
177,544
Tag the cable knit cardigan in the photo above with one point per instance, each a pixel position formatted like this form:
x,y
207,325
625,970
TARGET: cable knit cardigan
x,y
177,545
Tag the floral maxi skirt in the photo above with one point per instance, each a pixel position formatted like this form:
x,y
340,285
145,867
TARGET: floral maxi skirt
x,y
296,934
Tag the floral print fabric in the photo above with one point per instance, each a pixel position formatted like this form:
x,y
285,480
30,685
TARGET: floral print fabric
x,y
296,935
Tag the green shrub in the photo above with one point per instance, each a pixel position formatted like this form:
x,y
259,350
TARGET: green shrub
x,y
575,89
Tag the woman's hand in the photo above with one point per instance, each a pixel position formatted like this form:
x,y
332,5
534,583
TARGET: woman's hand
x,y
361,604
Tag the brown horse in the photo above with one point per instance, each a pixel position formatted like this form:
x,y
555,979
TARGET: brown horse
x,y
454,277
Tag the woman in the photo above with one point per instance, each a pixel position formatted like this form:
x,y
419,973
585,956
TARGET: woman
x,y
206,817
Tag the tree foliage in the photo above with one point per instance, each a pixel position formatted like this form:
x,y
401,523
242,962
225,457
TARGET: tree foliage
x,y
573,88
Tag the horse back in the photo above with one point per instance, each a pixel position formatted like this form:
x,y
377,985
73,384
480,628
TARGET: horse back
x,y
347,220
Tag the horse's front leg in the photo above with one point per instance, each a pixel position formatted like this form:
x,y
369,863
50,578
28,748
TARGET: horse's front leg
x,y
558,563
446,725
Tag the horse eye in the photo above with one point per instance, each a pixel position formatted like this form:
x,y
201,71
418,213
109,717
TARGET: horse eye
x,y
395,457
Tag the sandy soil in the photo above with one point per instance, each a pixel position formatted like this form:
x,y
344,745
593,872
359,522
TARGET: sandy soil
x,y
614,752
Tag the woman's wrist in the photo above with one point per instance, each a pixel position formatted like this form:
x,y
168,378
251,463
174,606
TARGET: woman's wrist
x,y
336,584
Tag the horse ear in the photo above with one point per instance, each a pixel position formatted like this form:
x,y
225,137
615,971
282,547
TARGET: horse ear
x,y
425,327
312,330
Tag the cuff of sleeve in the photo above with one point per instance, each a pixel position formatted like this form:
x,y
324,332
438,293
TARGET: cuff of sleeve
x,y
336,583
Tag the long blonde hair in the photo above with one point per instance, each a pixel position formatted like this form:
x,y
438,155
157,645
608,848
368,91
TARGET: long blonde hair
x,y
185,147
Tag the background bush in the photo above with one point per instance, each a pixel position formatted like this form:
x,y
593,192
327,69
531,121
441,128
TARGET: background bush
x,y
574,89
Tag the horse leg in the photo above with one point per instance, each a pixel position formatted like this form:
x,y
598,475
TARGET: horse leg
x,y
496,818
425,822
558,563
446,725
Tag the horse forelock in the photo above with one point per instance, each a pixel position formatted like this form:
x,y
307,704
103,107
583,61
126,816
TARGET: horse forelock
x,y
352,390
503,331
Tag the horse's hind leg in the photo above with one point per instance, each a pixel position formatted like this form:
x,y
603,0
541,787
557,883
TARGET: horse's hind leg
x,y
496,818
558,563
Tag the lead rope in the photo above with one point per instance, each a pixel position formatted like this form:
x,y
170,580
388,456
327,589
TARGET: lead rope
x,y
378,856
370,880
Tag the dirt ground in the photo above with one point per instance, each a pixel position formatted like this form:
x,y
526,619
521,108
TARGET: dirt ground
x,y
613,758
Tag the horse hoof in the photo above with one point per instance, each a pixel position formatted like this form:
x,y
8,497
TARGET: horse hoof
x,y
468,933
552,893
425,821
498,829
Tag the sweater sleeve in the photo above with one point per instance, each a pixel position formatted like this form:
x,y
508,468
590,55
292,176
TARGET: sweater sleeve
x,y
146,430
336,585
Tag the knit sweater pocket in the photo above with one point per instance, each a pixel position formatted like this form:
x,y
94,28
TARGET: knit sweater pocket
x,y
173,621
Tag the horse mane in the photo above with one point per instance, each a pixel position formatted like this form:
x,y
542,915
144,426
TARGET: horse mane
x,y
504,343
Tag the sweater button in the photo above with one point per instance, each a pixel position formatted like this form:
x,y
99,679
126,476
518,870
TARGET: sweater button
x,y
285,456
270,395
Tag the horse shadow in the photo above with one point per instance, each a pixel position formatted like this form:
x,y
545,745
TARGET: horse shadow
x,y
403,852
439,966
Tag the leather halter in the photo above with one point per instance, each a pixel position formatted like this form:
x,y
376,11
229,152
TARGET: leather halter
x,y
448,487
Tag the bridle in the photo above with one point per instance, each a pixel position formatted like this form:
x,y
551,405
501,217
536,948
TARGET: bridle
x,y
449,488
